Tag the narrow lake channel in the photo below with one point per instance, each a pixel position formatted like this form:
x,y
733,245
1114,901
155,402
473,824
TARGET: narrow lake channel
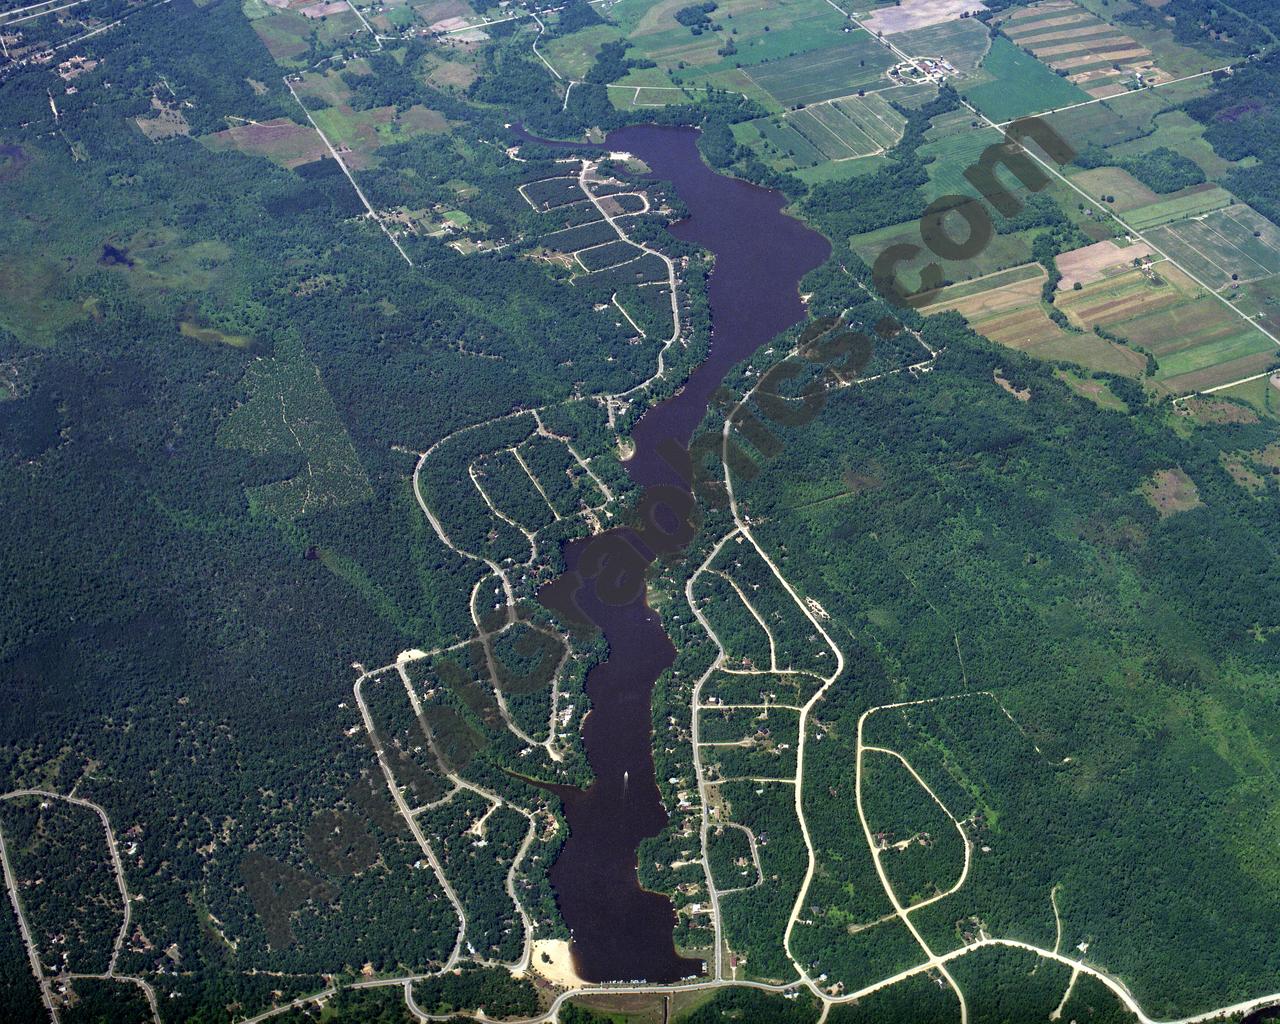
x,y
622,932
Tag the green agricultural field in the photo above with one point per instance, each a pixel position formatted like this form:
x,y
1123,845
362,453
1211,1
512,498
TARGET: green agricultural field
x,y
281,141
842,171
1197,340
1017,84
1262,395
953,155
1125,117
1260,300
1003,252
1191,204
833,131
1124,192
758,33
1235,243
1174,56
857,62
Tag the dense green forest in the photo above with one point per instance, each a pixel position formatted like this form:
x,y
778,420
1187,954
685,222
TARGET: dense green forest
x,y
228,392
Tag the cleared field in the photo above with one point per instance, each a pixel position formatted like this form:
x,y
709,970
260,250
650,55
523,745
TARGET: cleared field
x,y
574,54
1234,243
964,42
1177,58
1016,84
281,141
1128,116
759,33
1176,130
1125,191
642,96
916,14
857,62
1262,395
1261,300
358,134
1098,261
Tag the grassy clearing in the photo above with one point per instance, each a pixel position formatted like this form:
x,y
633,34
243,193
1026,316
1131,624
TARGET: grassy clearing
x,y
1096,391
1262,395
1171,491
1018,84
1123,118
573,55
1126,191
1175,130
1260,300
759,33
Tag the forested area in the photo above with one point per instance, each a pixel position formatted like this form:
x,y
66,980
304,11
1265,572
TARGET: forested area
x,y
1012,545
1241,117
216,378
179,619
1160,169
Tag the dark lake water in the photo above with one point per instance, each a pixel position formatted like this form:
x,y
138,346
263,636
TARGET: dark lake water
x,y
621,931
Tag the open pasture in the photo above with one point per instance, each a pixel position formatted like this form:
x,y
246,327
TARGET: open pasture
x,y
1126,191
1001,253
1133,117
1175,129
1261,300
857,62
288,34
1234,243
574,54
